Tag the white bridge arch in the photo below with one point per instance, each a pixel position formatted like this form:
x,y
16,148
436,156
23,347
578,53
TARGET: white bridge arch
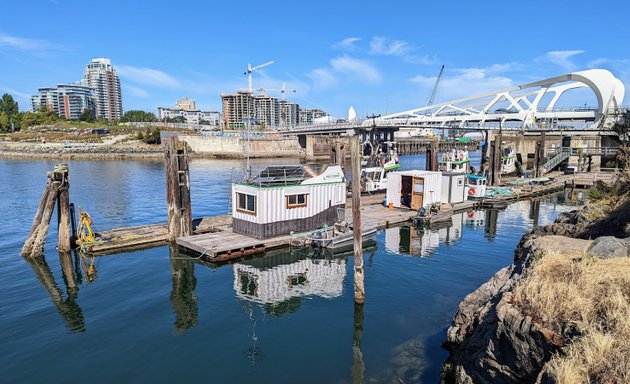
x,y
524,105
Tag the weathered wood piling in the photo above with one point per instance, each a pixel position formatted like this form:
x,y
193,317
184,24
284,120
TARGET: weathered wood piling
x,y
56,192
177,189
359,288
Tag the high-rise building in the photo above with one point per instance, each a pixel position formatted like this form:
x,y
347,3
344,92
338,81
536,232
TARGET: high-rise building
x,y
267,111
308,116
66,100
186,104
101,76
236,107
289,114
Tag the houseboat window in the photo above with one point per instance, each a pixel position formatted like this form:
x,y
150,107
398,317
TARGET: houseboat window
x,y
246,203
296,201
460,182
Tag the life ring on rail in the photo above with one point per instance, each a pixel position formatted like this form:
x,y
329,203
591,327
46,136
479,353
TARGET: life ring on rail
x,y
472,192
470,214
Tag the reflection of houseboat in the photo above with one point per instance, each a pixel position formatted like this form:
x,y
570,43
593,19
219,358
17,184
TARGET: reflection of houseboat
x,y
476,186
456,160
275,279
475,218
413,189
282,199
508,161
407,240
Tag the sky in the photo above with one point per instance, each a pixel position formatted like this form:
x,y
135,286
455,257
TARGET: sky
x,y
378,56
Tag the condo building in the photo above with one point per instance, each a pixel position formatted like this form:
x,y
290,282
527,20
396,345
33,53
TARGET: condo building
x,y
65,100
186,104
101,76
191,116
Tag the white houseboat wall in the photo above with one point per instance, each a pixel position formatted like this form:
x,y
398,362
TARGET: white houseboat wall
x,y
456,160
453,188
282,199
413,189
476,186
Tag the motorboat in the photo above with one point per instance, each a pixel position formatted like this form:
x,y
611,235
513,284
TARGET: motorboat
x,y
339,236
456,161
437,213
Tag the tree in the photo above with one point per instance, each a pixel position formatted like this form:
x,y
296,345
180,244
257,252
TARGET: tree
x,y
87,116
8,105
4,121
138,116
176,119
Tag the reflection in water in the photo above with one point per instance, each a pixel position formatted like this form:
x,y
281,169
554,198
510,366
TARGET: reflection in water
x,y
358,366
183,292
491,223
280,281
475,218
534,211
68,308
413,241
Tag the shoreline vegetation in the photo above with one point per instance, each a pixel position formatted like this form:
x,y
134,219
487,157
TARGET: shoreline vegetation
x,y
561,312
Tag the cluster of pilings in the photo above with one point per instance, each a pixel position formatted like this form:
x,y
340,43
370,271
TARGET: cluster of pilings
x,y
55,193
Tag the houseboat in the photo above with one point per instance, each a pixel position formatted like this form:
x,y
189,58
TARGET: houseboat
x,y
456,160
476,186
282,199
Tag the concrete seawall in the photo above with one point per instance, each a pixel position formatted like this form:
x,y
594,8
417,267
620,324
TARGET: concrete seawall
x,y
236,147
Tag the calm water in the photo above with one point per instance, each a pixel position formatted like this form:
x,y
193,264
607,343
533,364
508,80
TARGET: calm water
x,y
156,316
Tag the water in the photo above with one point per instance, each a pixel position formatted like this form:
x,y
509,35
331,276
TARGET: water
x,y
156,316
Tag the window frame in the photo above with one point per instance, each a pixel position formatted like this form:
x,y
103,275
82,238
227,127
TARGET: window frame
x,y
245,210
297,204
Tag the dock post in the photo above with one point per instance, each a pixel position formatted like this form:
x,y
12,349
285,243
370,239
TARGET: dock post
x,y
358,365
63,208
34,244
359,288
432,156
177,189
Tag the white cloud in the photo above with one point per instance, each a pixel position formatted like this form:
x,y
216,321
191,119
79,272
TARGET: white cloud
x,y
357,68
147,76
136,91
17,94
464,82
562,58
323,79
25,45
385,47
347,44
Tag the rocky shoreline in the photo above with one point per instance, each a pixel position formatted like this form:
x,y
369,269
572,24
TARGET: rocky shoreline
x,y
493,339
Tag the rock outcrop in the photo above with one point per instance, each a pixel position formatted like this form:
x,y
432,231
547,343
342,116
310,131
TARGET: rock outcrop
x,y
491,339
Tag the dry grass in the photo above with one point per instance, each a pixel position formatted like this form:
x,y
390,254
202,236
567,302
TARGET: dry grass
x,y
591,296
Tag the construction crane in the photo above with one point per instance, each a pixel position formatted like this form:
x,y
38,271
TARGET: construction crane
x,y
282,91
435,87
251,69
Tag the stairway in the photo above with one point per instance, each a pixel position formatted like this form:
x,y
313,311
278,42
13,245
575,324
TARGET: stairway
x,y
556,159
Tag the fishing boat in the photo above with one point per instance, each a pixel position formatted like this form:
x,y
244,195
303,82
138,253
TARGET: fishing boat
x,y
437,213
339,236
374,177
456,161
508,161
475,186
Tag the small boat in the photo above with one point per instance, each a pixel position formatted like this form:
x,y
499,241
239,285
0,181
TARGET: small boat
x,y
374,179
437,213
455,161
339,236
508,161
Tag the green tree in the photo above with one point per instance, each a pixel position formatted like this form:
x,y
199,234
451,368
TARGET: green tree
x,y
4,121
29,119
176,119
138,116
87,116
8,105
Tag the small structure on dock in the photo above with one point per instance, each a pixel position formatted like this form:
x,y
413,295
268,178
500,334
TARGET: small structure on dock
x,y
282,199
413,189
453,188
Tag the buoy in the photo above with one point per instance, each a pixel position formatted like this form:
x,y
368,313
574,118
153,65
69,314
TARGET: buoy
x,y
470,214
472,192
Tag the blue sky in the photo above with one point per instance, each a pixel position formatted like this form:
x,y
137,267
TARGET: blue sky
x,y
378,56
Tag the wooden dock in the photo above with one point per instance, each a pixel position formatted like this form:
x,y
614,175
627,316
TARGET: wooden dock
x,y
214,240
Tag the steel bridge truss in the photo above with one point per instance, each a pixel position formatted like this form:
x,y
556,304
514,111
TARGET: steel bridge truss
x,y
524,106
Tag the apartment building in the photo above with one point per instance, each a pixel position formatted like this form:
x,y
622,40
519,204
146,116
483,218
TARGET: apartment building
x,y
101,76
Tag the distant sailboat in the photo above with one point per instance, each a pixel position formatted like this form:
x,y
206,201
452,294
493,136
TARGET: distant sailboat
x,y
352,114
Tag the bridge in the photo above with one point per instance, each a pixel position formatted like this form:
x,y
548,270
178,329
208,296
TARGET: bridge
x,y
530,106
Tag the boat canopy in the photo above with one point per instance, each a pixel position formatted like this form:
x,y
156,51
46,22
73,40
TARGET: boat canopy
x,y
275,175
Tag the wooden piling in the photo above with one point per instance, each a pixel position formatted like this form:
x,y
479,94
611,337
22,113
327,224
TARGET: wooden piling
x,y
432,156
34,244
177,189
359,288
63,208
358,365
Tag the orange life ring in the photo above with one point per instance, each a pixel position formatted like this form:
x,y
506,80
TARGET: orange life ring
x,y
472,192
470,214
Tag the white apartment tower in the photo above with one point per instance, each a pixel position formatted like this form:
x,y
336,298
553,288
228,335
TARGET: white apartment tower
x,y
101,76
